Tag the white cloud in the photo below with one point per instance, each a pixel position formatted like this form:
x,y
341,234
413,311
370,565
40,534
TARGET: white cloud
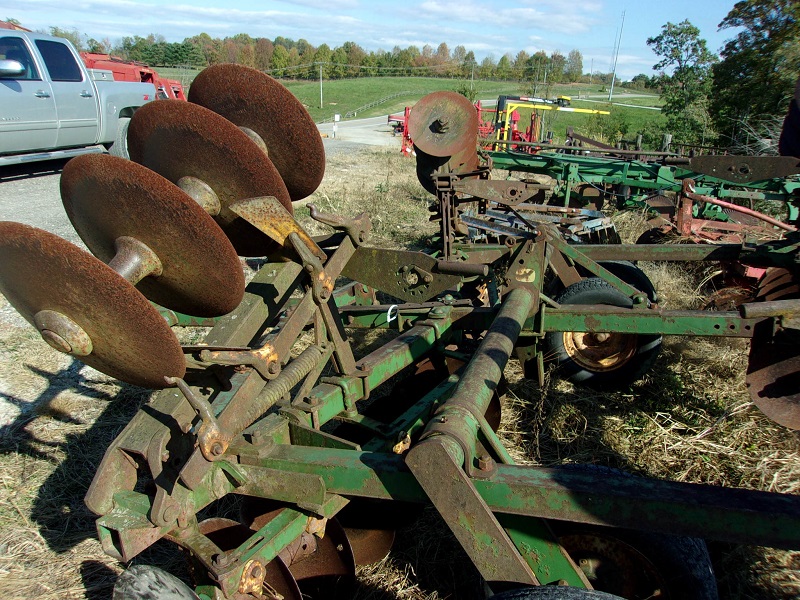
x,y
328,5
560,16
499,29
120,18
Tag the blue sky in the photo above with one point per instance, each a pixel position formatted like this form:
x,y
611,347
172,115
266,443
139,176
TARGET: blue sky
x,y
485,27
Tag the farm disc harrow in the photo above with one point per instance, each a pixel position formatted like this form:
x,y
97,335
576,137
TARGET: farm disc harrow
x,y
278,406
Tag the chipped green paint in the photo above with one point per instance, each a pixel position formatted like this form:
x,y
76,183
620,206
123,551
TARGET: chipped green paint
x,y
645,321
541,550
481,539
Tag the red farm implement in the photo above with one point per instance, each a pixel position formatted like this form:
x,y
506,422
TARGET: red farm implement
x,y
130,70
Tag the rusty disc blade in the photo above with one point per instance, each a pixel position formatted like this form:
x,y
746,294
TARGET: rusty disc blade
x,y
427,166
252,99
107,198
443,124
178,139
130,341
333,557
228,535
778,284
465,161
309,556
773,367
318,564
370,525
370,545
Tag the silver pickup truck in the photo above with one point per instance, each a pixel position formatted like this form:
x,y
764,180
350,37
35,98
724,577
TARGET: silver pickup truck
x,y
52,106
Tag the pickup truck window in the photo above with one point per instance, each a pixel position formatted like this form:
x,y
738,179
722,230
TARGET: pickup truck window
x,y
60,63
13,48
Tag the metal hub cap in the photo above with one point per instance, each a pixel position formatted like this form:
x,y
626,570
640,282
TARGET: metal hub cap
x,y
600,351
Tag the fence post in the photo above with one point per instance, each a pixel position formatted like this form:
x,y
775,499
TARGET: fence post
x,y
666,141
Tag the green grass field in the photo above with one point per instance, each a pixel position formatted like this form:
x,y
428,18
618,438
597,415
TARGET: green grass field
x,y
392,94
649,100
344,95
184,75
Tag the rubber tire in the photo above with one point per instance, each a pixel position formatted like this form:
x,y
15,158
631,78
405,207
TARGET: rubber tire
x,y
653,236
553,592
120,146
629,273
685,559
682,562
143,582
594,290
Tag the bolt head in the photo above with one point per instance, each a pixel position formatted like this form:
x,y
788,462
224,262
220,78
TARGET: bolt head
x,y
485,462
62,333
257,572
170,513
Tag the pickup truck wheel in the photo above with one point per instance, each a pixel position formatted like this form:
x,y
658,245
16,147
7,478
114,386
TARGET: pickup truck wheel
x,y
120,146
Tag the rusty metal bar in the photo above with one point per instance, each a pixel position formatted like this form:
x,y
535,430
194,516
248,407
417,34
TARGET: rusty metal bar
x,y
666,252
435,462
744,210
580,494
450,267
772,308
597,318
447,446
475,388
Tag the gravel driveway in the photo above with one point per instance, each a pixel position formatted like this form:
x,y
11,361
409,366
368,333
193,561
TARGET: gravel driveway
x,y
29,193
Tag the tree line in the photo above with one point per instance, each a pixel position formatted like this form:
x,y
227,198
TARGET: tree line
x,y
299,59
739,98
735,99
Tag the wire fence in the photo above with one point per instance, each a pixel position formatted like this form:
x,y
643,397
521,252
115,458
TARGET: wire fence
x,y
352,113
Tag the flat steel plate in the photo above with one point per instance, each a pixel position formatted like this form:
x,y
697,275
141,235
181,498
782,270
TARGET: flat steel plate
x,y
274,220
745,169
400,273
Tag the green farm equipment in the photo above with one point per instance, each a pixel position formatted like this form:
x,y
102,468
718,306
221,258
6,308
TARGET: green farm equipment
x,y
725,182
279,407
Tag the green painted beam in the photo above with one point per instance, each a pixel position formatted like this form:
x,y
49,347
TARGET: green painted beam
x,y
574,317
589,496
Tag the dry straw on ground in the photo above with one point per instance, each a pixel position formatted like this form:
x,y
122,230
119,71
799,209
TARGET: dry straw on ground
x,y
689,420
